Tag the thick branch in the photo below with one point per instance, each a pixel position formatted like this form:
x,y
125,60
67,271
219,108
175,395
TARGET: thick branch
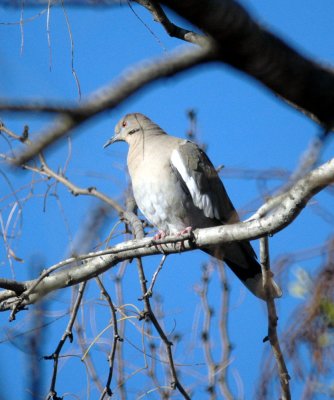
x,y
108,97
237,40
173,30
252,49
284,214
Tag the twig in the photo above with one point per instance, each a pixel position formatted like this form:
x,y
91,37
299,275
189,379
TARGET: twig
x,y
87,359
45,170
148,313
74,72
272,320
224,334
68,334
76,190
107,390
155,275
121,328
207,341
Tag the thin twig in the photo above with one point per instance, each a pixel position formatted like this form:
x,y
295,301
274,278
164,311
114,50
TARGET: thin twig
x,y
74,72
45,170
206,333
121,381
111,358
155,275
148,313
224,334
68,334
272,320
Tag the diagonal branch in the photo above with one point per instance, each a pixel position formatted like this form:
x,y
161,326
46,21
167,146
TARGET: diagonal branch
x,y
109,96
171,29
99,262
233,38
252,49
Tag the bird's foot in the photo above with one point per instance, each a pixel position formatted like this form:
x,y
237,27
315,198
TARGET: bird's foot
x,y
158,236
184,231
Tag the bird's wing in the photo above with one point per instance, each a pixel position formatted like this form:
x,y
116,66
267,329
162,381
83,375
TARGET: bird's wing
x,y
200,179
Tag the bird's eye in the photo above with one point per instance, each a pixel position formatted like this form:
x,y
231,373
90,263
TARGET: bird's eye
x,y
124,123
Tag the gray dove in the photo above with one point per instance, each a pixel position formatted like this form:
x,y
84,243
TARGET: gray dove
x,y
177,189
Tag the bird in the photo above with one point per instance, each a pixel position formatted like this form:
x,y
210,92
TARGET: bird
x,y
177,189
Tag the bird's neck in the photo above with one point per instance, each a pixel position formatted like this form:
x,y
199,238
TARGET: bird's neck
x,y
144,149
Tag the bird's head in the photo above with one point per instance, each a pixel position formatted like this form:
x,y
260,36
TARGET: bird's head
x,y
132,128
128,127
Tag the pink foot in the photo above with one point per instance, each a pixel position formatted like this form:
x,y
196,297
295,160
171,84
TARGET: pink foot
x,y
159,235
184,231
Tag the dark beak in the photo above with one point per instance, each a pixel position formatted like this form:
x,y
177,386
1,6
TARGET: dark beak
x,y
110,141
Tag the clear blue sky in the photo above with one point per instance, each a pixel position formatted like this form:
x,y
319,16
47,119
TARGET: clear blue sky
x,y
244,125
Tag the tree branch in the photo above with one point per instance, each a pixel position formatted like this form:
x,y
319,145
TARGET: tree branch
x,y
283,215
272,320
247,46
238,41
107,98
172,30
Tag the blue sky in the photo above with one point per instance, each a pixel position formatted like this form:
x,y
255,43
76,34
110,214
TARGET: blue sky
x,y
244,125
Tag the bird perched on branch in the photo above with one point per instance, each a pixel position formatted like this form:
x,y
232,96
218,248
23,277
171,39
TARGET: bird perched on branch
x,y
177,189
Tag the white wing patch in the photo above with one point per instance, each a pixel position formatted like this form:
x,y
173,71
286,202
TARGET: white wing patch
x,y
200,200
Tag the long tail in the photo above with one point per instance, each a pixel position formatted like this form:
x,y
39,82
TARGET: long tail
x,y
241,258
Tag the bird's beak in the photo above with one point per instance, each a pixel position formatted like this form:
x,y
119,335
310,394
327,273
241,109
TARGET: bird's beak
x,y
110,141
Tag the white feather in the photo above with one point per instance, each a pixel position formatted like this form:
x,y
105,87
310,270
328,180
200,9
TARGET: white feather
x,y
200,200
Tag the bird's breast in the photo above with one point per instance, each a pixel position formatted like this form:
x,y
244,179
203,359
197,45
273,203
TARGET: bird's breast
x,y
160,197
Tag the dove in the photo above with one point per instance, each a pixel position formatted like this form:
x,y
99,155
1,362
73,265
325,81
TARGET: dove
x,y
177,189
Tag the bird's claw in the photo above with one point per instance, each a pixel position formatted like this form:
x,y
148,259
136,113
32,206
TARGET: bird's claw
x,y
184,231
158,236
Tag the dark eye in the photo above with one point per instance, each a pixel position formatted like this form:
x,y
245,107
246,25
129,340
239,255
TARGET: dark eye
x,y
124,123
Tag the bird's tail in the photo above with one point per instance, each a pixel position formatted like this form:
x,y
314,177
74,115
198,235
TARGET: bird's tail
x,y
241,258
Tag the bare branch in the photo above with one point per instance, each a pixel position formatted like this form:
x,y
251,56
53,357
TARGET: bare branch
x,y
117,338
224,334
68,334
173,30
45,170
149,314
288,210
272,320
206,333
110,96
247,46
